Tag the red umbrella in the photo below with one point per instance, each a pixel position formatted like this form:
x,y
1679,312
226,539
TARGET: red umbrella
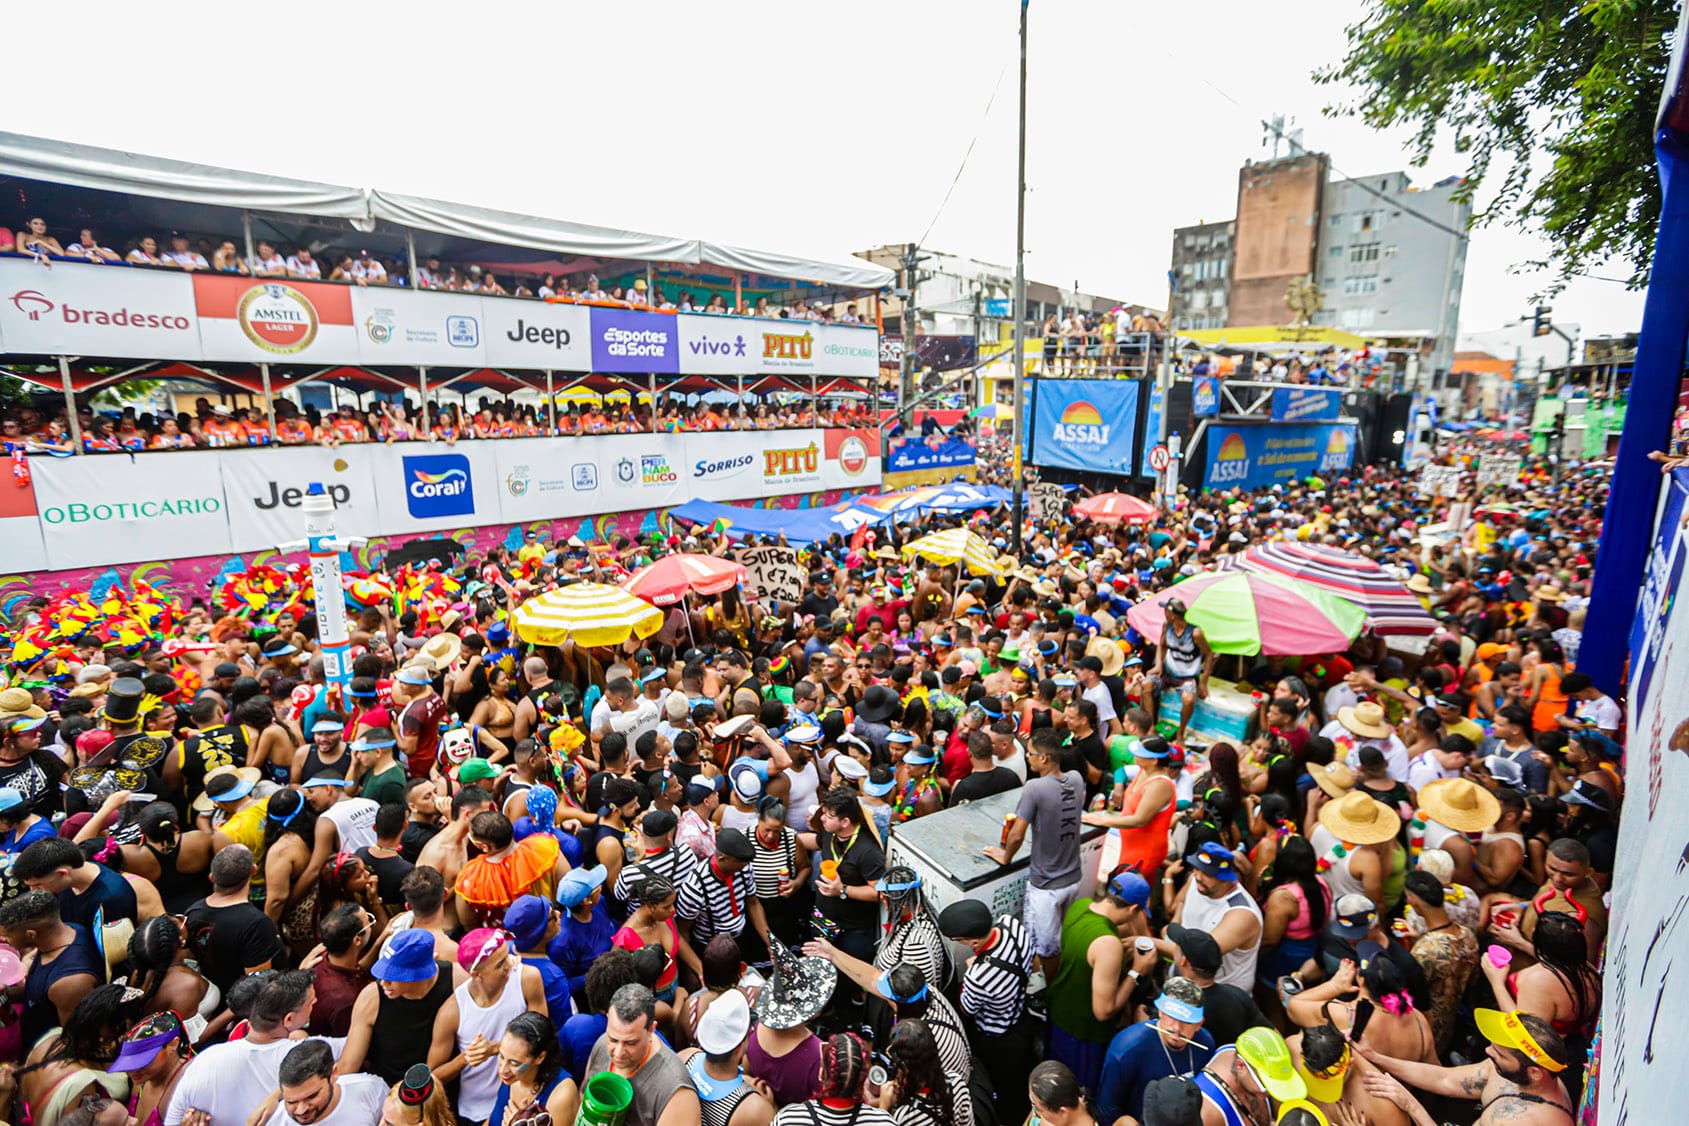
x,y
666,581
1115,508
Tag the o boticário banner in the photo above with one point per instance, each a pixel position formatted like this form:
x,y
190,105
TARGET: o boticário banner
x,y
121,508
1088,424
132,313
1252,457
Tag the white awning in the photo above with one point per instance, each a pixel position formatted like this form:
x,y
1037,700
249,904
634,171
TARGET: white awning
x,y
136,174
86,166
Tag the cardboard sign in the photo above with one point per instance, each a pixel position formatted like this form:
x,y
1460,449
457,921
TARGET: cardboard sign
x,y
1440,481
1048,501
774,573
1499,469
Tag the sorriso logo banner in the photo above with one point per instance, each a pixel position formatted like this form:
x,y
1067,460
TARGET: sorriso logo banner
x,y
1253,457
1086,424
628,341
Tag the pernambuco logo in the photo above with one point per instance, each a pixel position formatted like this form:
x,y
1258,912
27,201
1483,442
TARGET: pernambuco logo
x,y
277,318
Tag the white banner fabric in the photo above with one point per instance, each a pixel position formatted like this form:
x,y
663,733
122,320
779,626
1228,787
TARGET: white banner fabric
x,y
120,508
265,488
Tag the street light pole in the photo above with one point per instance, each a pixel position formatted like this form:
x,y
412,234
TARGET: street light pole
x,y
1017,516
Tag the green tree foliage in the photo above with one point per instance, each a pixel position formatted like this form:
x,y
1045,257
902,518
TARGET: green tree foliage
x,y
1512,82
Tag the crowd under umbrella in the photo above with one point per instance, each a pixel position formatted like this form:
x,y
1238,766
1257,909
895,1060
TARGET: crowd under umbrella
x,y
957,545
587,613
1116,508
1250,612
1391,608
671,577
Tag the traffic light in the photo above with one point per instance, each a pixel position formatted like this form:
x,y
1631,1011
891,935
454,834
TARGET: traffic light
x,y
1540,323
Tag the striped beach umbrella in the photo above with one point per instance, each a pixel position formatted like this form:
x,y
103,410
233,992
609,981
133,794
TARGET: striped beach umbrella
x,y
590,614
1391,608
958,545
666,581
1251,612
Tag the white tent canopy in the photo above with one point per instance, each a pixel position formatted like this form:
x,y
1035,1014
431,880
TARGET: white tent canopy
x,y
110,170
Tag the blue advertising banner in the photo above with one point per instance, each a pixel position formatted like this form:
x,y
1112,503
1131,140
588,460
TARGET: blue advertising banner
x,y
628,341
1305,404
1660,584
909,455
1205,396
1085,424
1254,457
1152,430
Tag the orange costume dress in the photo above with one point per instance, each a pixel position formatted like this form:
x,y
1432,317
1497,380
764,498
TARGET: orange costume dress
x,y
490,884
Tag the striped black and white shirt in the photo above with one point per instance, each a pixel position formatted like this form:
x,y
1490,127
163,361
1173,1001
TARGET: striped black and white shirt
x,y
947,1032
919,943
715,901
994,988
768,861
673,864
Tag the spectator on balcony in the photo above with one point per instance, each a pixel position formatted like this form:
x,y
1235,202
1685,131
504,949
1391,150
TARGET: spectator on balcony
x,y
429,277
302,265
636,295
87,246
341,426
717,304
222,428
170,436
267,263
36,240
182,256
291,429
592,291
8,244
227,260
145,253
342,271
490,285
369,271
255,426
448,424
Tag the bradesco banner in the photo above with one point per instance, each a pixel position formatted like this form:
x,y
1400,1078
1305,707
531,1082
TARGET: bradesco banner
x,y
264,489
713,345
628,341
426,487
1085,424
398,326
121,508
1306,404
68,309
1253,457
274,320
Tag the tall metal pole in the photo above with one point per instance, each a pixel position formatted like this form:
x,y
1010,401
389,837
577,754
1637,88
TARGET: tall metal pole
x,y
1018,515
911,330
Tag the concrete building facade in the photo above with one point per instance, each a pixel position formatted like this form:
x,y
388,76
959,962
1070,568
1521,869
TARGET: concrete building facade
x,y
1202,275
1277,241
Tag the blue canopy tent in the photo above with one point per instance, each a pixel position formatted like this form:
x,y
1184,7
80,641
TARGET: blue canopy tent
x,y
799,525
1654,388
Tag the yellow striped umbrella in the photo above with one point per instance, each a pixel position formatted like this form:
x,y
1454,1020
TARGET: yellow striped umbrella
x,y
590,614
959,545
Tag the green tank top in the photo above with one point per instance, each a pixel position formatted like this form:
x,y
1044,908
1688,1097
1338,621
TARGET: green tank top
x,y
1069,995
1395,884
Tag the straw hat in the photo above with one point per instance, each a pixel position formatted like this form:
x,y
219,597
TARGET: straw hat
x,y
1365,719
1359,818
1550,594
1336,779
1419,584
1460,804
443,649
1108,653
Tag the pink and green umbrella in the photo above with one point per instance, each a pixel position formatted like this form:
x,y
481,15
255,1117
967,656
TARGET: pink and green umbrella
x,y
1248,612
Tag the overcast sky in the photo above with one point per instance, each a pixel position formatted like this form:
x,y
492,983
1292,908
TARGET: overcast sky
x,y
807,128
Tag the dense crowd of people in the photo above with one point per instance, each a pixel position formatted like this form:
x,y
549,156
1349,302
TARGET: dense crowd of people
x,y
224,426
497,883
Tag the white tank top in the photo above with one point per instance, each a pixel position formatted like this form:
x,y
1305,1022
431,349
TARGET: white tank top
x,y
354,820
733,817
1204,914
478,1085
1337,877
802,799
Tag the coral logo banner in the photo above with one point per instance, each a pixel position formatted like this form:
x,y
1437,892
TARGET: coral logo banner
x,y
438,485
1085,424
1252,457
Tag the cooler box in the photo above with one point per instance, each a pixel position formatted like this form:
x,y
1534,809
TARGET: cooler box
x,y
946,850
1223,716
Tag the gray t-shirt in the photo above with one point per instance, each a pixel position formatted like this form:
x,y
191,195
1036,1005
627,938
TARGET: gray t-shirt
x,y
1051,806
654,1084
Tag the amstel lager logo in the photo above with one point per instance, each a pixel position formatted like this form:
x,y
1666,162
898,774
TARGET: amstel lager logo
x,y
277,318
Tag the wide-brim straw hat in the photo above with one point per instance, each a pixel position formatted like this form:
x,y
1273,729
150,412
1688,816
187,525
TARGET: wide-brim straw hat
x,y
1336,779
1359,818
1365,719
1460,804
1108,653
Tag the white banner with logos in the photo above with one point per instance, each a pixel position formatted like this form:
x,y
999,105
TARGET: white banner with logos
x,y
78,309
122,508
399,326
68,309
714,345
21,549
265,488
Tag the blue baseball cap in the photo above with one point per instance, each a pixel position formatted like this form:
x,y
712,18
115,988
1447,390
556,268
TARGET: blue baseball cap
x,y
882,986
526,919
578,883
879,789
1216,860
1131,887
408,956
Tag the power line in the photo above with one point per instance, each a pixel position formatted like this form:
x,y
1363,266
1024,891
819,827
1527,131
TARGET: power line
x,y
989,102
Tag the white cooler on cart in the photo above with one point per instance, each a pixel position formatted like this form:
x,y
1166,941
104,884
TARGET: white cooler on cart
x,y
946,850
